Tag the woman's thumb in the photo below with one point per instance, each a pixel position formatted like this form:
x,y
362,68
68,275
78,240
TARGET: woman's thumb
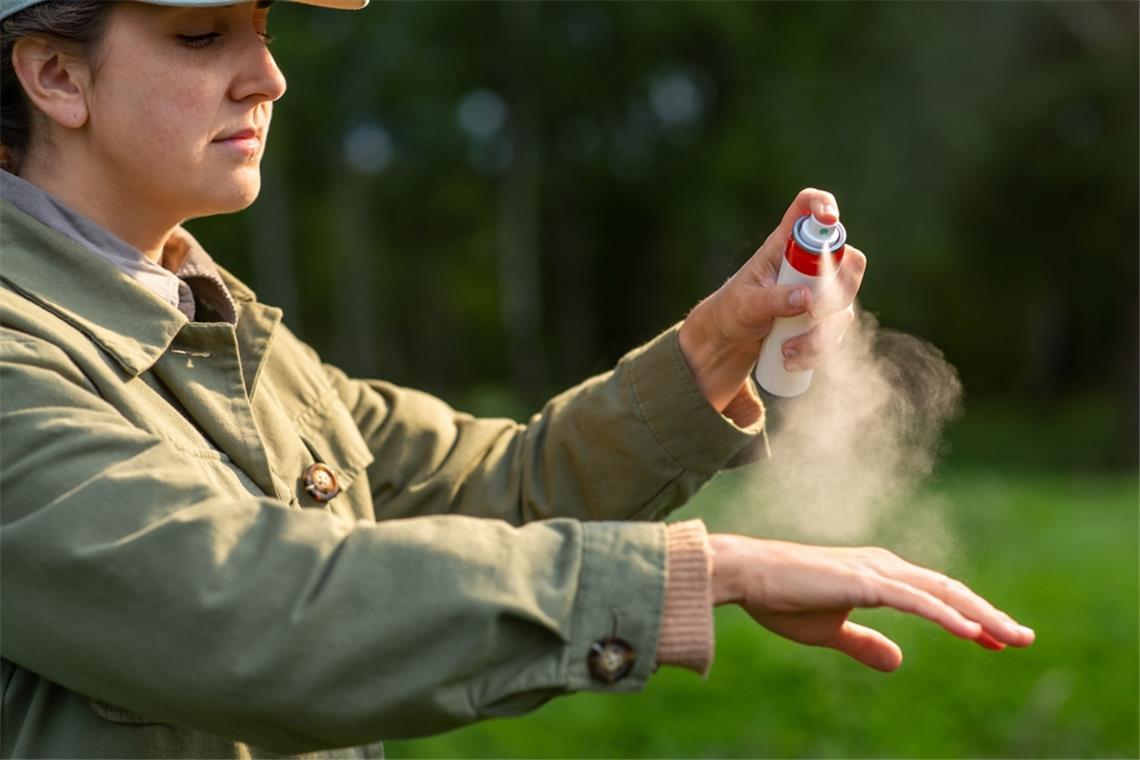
x,y
868,646
784,301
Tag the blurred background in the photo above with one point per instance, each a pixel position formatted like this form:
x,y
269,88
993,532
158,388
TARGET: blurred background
x,y
493,201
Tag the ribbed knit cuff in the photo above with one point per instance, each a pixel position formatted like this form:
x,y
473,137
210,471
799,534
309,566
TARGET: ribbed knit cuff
x,y
686,638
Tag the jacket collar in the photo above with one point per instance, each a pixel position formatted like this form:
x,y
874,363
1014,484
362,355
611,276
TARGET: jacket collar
x,y
128,321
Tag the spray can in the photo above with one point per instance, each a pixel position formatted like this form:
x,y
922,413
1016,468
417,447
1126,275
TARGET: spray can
x,y
804,264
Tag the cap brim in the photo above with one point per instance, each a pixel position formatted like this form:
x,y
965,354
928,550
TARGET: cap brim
x,y
343,5
8,7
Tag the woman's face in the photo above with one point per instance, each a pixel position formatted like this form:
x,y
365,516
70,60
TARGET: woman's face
x,y
180,104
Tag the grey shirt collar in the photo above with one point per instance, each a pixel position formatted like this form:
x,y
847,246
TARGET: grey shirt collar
x,y
195,280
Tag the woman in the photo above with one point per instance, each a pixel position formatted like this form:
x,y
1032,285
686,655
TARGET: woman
x,y
213,543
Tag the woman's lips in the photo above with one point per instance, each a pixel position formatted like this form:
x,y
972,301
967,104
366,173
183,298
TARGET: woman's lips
x,y
246,141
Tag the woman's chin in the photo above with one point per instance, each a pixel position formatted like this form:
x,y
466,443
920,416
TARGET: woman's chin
x,y
234,196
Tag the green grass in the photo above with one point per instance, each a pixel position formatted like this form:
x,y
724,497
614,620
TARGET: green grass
x,y
1057,551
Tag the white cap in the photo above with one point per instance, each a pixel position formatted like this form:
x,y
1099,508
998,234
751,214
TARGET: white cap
x,y
819,234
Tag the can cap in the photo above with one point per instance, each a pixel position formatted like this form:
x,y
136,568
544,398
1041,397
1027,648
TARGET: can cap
x,y
818,235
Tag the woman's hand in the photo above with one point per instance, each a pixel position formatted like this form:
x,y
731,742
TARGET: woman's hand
x,y
721,337
805,593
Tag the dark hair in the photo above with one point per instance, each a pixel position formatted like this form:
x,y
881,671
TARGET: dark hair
x,y
78,25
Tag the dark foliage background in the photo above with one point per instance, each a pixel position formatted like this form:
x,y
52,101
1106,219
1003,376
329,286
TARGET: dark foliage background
x,y
491,201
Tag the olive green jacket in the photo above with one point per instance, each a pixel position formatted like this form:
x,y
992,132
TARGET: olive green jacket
x,y
170,589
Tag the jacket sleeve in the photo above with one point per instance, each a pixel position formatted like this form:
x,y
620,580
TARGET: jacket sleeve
x,y
633,443
131,580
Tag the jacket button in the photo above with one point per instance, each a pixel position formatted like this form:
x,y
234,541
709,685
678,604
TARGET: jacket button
x,y
611,660
320,482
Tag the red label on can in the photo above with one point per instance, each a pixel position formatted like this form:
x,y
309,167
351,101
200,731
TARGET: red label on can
x,y
808,262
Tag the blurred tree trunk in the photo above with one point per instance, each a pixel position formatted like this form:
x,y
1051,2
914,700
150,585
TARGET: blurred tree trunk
x,y
575,314
354,290
364,318
271,247
520,273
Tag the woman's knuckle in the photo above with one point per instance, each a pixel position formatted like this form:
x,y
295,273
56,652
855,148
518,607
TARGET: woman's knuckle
x,y
810,345
883,554
960,588
857,259
867,583
945,583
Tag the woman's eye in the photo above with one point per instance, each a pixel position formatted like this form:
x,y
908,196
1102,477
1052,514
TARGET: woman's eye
x,y
266,37
198,40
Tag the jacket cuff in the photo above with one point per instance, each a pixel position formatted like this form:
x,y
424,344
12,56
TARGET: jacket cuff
x,y
757,449
686,638
682,420
621,596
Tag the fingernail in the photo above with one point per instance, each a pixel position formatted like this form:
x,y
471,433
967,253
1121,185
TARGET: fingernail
x,y
831,210
1027,631
791,353
796,298
1013,628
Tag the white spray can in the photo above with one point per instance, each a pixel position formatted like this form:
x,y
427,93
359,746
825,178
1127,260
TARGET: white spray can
x,y
813,252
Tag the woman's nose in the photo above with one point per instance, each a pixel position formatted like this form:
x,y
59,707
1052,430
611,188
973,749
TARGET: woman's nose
x,y
259,75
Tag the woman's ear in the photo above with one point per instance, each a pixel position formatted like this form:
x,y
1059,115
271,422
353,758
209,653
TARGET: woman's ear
x,y
55,82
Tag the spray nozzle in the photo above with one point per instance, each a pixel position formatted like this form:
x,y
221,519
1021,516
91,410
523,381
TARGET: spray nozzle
x,y
817,233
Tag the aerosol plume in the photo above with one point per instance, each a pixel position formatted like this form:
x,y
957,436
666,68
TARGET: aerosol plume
x,y
849,455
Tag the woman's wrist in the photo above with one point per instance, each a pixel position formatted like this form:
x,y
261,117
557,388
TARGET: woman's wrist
x,y
726,587
719,365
